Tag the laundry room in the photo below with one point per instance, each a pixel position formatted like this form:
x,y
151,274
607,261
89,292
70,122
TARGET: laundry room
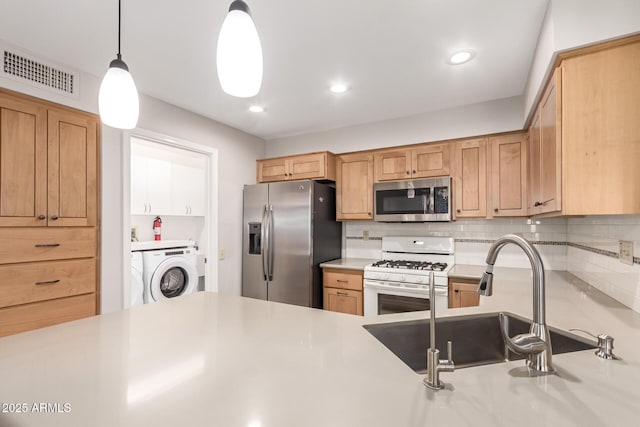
x,y
168,219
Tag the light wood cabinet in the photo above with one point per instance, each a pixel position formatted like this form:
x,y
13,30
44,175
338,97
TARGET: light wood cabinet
x,y
23,163
470,178
545,152
354,186
306,166
601,131
342,290
508,166
410,163
463,293
584,137
49,194
72,169
48,165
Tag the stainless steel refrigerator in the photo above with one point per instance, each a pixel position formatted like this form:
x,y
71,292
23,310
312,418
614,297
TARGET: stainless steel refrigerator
x,y
289,229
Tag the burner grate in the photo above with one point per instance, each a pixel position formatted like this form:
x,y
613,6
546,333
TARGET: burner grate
x,y
411,265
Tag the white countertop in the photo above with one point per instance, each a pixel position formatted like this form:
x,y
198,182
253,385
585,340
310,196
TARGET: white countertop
x,y
214,360
462,271
349,263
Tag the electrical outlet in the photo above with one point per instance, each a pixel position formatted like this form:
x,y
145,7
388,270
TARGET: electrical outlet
x,y
365,234
626,252
221,254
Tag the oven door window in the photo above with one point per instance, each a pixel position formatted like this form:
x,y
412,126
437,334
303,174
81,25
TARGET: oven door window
x,y
404,201
389,304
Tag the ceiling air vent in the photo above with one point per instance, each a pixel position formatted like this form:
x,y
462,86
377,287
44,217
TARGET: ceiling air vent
x,y
38,73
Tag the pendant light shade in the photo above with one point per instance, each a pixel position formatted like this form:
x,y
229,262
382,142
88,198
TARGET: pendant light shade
x,y
118,97
239,53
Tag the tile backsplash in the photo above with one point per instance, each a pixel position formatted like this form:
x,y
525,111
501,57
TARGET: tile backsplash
x,y
592,255
586,247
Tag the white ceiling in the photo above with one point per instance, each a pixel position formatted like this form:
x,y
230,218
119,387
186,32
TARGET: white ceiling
x,y
392,54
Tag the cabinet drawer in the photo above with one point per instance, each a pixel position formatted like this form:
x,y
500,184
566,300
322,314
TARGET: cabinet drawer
x,y
343,301
44,244
344,279
32,282
40,314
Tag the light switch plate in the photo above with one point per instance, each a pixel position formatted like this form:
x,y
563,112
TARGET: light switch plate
x,y
365,234
134,233
626,252
221,253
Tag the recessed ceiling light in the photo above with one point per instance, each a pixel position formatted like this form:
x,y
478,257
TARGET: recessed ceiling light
x,y
338,88
256,109
461,57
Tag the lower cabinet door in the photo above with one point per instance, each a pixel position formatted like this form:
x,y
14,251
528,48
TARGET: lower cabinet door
x,y
26,317
343,301
463,293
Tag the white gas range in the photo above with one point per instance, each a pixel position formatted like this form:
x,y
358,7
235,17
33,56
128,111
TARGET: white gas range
x,y
400,282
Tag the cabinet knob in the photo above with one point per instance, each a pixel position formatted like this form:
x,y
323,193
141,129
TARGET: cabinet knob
x,y
54,217
458,210
408,173
456,291
369,213
495,210
42,217
414,171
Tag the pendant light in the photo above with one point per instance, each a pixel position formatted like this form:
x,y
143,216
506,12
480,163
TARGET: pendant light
x,y
118,97
239,53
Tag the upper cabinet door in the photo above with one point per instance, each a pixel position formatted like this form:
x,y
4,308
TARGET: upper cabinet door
x,y
73,169
308,166
509,174
431,160
23,163
545,152
354,187
470,178
271,170
390,165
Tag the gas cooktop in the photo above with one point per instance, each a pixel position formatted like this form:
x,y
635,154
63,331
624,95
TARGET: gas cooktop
x,y
411,265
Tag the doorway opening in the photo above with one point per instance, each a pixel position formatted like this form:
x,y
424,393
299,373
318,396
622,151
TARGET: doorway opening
x,y
175,180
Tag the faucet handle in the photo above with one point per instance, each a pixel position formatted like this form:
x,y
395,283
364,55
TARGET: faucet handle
x,y
447,365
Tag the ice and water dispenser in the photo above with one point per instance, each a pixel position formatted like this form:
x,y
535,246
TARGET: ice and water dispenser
x,y
255,230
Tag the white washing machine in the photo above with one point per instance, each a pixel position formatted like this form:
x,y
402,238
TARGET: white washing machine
x,y
137,281
169,272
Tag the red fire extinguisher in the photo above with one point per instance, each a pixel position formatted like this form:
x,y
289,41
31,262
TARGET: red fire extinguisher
x,y
157,228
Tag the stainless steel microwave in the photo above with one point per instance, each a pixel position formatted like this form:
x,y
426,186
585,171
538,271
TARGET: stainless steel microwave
x,y
418,200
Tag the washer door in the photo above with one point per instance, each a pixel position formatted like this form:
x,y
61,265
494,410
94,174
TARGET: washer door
x,y
172,278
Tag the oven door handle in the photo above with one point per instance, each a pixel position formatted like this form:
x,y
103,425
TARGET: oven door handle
x,y
439,290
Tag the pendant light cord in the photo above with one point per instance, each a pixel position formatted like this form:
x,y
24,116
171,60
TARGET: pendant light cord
x,y
119,20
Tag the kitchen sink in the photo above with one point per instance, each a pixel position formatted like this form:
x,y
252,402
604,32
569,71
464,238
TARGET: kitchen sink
x,y
476,339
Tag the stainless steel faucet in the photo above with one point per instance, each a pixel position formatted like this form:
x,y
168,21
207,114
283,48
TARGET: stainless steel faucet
x,y
536,345
434,364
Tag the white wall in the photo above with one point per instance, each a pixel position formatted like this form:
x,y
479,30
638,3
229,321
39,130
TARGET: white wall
x,y
488,117
237,153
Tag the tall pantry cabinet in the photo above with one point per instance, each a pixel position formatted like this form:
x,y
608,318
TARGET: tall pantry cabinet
x,y
49,226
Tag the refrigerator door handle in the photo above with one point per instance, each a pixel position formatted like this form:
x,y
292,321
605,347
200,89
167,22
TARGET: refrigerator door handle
x,y
264,245
270,252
